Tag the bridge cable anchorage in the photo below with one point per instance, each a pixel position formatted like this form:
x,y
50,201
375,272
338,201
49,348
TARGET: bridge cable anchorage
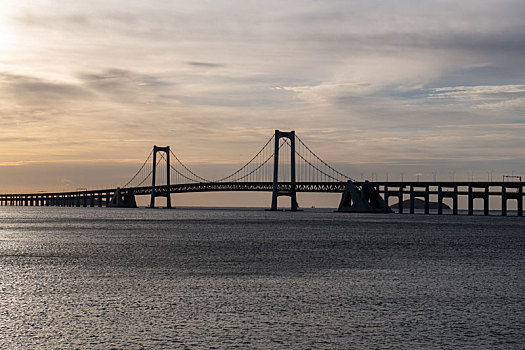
x,y
334,172
243,168
138,172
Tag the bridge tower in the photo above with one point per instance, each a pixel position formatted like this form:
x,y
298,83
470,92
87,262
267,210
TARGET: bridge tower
x,y
165,192
290,192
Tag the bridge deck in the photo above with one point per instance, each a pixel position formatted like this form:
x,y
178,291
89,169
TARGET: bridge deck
x,y
319,187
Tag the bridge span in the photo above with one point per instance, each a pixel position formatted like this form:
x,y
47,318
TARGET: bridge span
x,y
400,191
284,166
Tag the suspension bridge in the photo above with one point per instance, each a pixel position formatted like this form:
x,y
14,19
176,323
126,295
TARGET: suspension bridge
x,y
284,166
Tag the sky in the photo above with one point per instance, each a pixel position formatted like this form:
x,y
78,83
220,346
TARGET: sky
x,y
376,88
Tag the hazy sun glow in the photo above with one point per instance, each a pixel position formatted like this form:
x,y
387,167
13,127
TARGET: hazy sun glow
x,y
7,34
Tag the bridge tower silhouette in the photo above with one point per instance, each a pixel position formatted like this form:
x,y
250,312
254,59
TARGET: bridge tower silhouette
x,y
165,191
292,191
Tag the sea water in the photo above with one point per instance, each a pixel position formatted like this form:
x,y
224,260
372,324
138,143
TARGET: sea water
x,y
102,278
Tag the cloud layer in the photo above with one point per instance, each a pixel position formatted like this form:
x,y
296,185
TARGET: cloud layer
x,y
374,86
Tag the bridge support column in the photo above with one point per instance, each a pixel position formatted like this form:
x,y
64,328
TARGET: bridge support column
x,y
520,201
503,200
362,200
440,200
455,201
470,200
123,199
486,201
412,199
427,199
164,193
386,208
400,200
290,191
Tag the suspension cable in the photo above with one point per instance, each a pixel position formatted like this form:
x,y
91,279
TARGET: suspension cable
x,y
322,161
257,168
185,167
245,165
142,167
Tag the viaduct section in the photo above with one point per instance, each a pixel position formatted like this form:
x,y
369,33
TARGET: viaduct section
x,y
284,167
400,192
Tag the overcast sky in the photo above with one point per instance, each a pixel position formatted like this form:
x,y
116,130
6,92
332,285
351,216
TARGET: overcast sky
x,y
374,87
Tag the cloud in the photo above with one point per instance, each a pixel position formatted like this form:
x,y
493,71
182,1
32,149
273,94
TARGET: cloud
x,y
484,96
364,81
35,90
205,64
125,86
478,92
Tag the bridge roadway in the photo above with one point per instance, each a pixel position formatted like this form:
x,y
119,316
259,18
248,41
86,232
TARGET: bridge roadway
x,y
443,189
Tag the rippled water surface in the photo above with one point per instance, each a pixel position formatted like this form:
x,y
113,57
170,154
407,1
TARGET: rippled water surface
x,y
202,278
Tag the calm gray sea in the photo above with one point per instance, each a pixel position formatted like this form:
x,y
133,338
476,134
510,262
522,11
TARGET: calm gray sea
x,y
98,278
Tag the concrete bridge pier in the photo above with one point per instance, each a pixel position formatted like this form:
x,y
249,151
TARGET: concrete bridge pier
x,y
427,199
486,201
400,199
503,200
362,200
485,195
412,199
455,201
520,201
440,200
516,193
386,208
470,200
123,199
